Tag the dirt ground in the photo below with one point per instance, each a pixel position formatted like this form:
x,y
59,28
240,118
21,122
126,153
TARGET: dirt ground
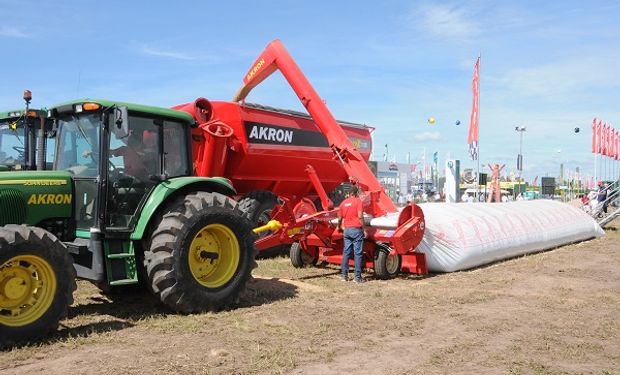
x,y
555,312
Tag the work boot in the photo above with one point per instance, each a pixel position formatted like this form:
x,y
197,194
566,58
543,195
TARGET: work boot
x,y
359,280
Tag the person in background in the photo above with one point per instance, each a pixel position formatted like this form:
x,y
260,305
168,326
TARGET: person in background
x,y
601,195
585,202
133,156
351,219
401,200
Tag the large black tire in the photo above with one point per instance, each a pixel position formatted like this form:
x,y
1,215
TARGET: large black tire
x,y
259,205
190,276
386,266
299,258
37,282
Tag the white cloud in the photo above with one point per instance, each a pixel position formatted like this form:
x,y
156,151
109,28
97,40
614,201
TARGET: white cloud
x,y
13,32
564,77
148,50
444,21
428,136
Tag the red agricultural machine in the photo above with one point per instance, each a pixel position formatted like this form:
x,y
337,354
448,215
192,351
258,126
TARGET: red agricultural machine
x,y
284,159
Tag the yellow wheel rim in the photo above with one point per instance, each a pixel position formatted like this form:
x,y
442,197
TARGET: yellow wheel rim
x,y
214,255
27,289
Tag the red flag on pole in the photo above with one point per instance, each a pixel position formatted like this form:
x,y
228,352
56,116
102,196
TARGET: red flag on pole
x,y
608,140
472,138
612,154
607,143
616,146
594,136
612,146
599,131
604,140
615,143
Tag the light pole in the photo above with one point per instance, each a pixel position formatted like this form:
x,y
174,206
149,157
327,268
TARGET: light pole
x,y
520,130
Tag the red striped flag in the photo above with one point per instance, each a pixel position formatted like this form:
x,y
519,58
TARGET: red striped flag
x,y
594,128
599,137
472,138
604,140
608,140
616,145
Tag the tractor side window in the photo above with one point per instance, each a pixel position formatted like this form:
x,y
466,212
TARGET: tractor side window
x,y
11,144
175,149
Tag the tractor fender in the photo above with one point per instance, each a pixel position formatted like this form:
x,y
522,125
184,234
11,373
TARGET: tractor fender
x,y
170,189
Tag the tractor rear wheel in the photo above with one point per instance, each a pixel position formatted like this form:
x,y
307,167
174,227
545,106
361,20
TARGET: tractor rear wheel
x,y
386,266
37,281
260,214
299,258
201,253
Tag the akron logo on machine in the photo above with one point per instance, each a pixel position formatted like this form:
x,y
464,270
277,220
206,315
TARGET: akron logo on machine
x,y
259,133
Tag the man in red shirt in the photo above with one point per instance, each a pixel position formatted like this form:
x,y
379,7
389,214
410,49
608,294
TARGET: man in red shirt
x,y
351,216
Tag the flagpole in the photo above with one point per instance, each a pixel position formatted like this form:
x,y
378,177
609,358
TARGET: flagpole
x,y
478,115
424,182
595,145
595,162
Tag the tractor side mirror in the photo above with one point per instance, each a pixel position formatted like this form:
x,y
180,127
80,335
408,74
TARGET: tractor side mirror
x,y
119,122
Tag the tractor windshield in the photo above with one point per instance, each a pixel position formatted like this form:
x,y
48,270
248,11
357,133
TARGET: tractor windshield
x,y
77,151
11,143
78,144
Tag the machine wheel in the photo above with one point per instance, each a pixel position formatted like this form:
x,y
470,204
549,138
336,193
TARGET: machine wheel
x,y
201,253
386,266
37,281
299,258
259,213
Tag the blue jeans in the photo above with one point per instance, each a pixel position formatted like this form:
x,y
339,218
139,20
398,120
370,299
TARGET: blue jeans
x,y
353,241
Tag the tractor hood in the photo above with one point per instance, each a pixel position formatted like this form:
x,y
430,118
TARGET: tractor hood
x,y
30,197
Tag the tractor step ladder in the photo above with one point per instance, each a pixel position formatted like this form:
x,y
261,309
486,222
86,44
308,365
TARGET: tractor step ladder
x,y
120,261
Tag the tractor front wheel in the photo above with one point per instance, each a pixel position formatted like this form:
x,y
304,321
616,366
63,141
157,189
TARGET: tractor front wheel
x,y
37,280
201,253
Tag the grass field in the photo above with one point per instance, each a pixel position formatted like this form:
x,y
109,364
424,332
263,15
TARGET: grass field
x,y
550,313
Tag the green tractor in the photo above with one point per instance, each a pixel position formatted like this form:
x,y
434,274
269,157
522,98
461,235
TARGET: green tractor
x,y
119,206
24,140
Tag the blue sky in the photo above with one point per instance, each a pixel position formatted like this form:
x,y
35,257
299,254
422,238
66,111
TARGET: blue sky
x,y
548,66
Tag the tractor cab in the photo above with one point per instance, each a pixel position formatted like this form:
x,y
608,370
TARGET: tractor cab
x,y
24,140
116,154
